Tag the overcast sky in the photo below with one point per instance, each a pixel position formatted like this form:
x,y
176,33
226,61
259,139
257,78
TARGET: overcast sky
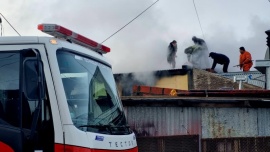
x,y
142,45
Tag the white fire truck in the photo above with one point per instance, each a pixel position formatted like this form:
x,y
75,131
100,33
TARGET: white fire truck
x,y
58,94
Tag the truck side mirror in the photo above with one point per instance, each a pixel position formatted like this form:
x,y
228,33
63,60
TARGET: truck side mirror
x,y
33,79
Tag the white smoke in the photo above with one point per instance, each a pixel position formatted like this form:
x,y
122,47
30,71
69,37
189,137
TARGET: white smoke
x,y
228,44
198,56
147,78
141,46
128,80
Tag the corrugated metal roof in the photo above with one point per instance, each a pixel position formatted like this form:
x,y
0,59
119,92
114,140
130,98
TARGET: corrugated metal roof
x,y
229,122
164,121
188,101
254,77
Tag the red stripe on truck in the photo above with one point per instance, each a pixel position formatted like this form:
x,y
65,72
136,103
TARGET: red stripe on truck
x,y
70,148
5,148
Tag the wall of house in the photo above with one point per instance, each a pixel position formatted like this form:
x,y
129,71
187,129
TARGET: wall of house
x,y
174,82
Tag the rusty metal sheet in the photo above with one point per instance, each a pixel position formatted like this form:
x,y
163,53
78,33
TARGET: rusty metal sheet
x,y
164,121
229,122
264,122
208,122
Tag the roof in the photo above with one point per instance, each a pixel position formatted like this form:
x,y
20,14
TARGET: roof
x,y
197,79
154,96
204,80
148,90
255,78
191,101
18,39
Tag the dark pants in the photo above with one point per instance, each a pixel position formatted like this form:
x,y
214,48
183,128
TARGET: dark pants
x,y
171,59
225,66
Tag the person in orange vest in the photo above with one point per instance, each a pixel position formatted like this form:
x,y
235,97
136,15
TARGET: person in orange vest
x,y
245,60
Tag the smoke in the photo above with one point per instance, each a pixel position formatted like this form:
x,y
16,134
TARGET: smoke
x,y
198,56
142,45
126,83
228,42
147,78
149,55
128,80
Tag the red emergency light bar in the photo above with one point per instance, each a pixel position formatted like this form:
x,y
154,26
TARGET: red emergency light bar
x,y
61,32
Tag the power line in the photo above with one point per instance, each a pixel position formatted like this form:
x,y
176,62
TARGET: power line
x,y
130,21
10,24
198,18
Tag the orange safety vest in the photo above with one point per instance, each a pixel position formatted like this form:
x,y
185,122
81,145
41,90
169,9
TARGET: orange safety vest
x,y
245,61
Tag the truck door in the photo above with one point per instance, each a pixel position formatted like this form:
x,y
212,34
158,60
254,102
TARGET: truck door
x,y
25,116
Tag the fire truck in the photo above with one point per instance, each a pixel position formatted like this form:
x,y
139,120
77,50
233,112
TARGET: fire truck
x,y
58,94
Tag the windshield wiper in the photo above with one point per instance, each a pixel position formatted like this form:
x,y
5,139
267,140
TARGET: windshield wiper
x,y
119,118
109,115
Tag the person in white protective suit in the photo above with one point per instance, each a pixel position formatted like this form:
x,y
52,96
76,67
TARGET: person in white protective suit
x,y
198,54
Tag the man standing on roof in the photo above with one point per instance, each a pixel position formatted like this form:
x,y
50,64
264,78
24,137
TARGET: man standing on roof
x,y
220,59
172,49
245,61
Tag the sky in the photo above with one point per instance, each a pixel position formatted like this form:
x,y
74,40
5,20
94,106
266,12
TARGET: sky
x,y
142,45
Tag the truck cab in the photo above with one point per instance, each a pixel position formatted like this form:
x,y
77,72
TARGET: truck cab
x,y
58,94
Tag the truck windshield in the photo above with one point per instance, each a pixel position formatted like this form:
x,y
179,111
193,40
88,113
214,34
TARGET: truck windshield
x,y
91,94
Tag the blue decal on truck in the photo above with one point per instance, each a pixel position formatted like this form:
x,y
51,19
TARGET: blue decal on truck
x,y
99,138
